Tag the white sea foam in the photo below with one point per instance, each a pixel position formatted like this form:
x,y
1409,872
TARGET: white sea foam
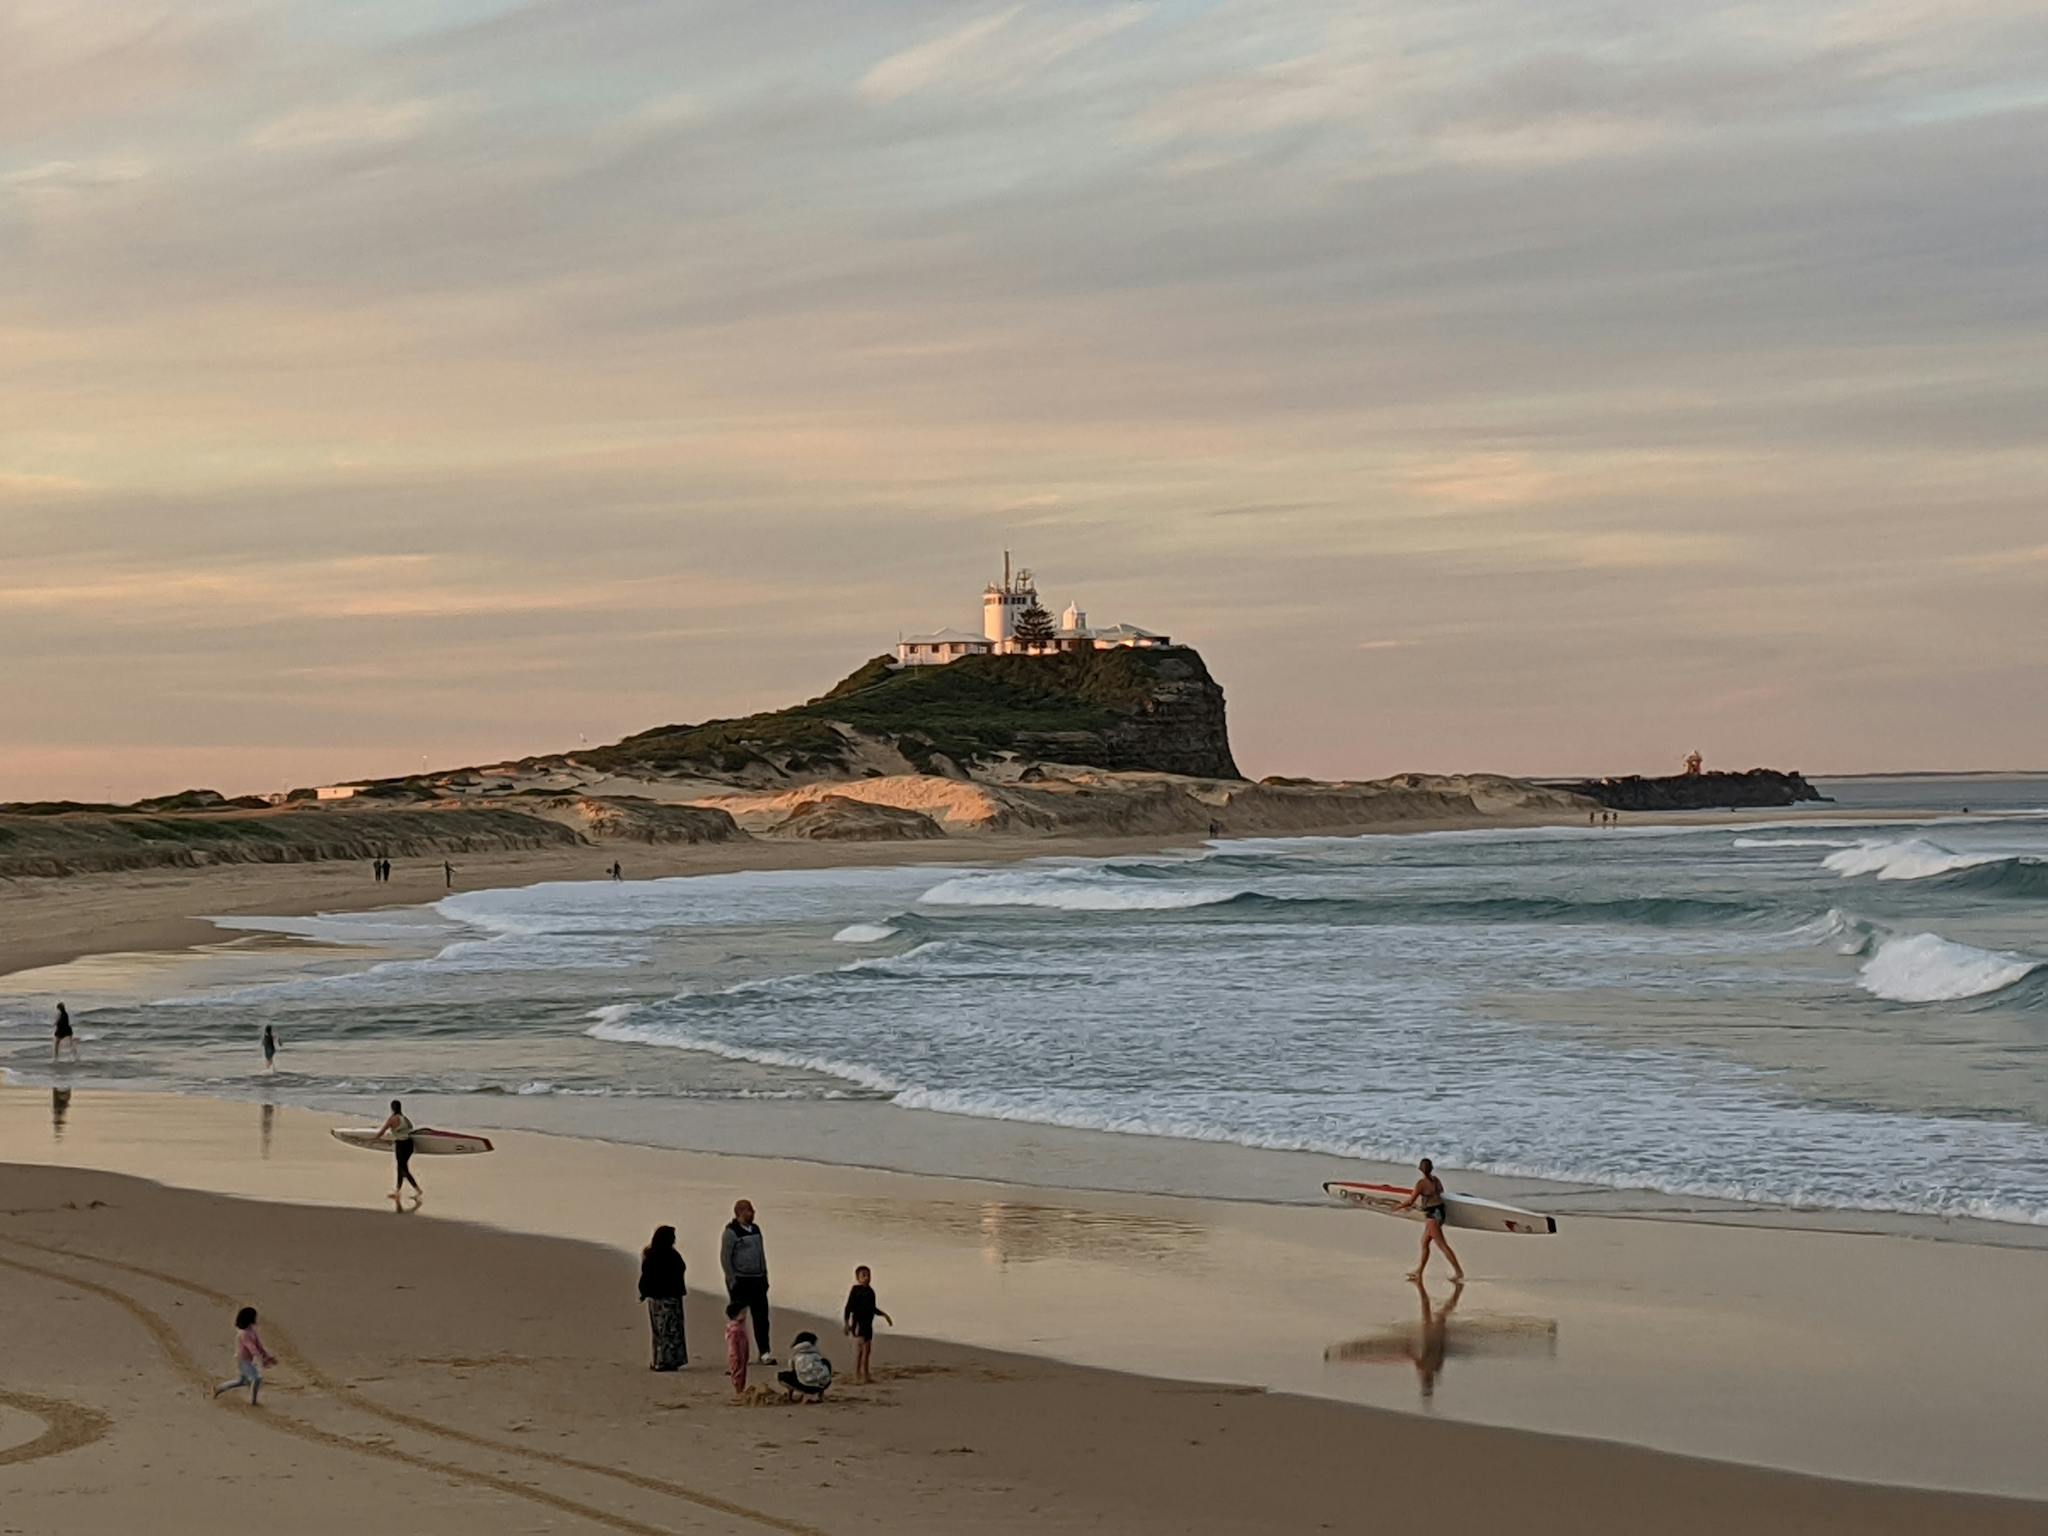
x,y
1926,968
1075,891
1913,858
1847,933
864,933
1793,842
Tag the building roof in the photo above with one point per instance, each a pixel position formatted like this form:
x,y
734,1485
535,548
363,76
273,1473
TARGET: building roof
x,y
946,637
1126,632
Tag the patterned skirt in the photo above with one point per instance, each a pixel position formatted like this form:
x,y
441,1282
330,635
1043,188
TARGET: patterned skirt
x,y
665,1316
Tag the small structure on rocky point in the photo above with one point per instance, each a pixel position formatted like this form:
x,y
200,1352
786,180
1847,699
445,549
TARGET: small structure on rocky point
x,y
1693,764
1014,623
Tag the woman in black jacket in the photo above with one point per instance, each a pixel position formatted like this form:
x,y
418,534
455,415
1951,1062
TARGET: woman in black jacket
x,y
661,1287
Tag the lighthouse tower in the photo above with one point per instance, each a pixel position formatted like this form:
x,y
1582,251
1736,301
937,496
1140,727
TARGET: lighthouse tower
x,y
1002,605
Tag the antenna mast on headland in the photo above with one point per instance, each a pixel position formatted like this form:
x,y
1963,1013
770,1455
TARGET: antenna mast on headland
x,y
1006,570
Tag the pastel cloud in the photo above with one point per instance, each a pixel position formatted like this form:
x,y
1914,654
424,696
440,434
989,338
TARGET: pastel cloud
x,y
678,368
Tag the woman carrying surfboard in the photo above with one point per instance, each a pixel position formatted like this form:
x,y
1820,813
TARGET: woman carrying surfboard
x,y
398,1131
1429,1194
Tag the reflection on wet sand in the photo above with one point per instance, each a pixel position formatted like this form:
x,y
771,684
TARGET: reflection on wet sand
x,y
269,1123
1013,1232
60,1106
1432,1340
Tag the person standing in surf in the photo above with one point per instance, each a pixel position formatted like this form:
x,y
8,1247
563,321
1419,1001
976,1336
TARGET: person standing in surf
x,y
61,1034
269,1049
1429,1194
398,1131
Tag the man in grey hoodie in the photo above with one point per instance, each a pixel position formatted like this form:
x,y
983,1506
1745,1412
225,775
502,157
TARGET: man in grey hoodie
x,y
743,1255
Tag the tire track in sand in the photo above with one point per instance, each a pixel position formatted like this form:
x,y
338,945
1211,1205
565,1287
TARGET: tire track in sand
x,y
66,1426
184,1362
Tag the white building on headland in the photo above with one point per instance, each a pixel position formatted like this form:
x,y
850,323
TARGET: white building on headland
x,y
1003,605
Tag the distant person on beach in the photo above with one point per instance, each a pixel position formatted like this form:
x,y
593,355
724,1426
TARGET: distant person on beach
x,y
250,1358
1429,1194
736,1347
398,1131
618,870
269,1049
743,1256
448,874
861,1312
662,1288
809,1373
61,1035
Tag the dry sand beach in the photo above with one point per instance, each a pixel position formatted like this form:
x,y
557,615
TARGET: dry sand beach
x,y
458,1369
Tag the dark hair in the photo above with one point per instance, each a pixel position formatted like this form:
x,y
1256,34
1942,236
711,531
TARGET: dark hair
x,y
663,1241
807,1338
394,1106
1427,1166
735,1308
246,1318
862,1269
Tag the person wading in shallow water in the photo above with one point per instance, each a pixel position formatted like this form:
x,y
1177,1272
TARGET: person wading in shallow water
x,y
61,1035
1429,1194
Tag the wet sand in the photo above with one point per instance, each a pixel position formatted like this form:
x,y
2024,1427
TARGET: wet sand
x,y
507,1304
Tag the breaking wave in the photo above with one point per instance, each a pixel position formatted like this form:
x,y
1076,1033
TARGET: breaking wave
x,y
1919,858
1926,968
1079,891
864,933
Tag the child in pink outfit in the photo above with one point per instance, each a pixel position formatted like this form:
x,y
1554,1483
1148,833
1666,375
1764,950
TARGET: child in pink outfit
x,y
736,1350
250,1357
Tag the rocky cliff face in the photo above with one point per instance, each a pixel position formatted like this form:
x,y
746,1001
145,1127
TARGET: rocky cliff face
x,y
1172,721
1697,791
1154,710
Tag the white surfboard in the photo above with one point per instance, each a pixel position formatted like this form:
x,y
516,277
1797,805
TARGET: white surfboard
x,y
425,1142
1459,1210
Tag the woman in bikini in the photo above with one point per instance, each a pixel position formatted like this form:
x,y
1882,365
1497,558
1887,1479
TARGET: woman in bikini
x,y
1429,1194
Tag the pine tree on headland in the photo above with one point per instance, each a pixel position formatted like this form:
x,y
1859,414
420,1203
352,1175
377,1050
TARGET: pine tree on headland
x,y
1034,628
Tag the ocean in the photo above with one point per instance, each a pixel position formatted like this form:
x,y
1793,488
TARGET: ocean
x,y
1821,1009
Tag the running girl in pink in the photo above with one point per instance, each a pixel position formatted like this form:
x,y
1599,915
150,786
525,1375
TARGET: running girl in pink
x,y
250,1357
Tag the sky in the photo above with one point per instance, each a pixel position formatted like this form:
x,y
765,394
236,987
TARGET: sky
x,y
1480,386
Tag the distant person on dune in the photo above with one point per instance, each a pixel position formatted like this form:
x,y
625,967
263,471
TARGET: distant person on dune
x,y
269,1049
61,1035
398,1131
1429,1194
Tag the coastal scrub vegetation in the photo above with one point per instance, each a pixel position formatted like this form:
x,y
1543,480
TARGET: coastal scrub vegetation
x,y
976,707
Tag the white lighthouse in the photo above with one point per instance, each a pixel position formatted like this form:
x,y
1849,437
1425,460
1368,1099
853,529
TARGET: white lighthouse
x,y
1002,605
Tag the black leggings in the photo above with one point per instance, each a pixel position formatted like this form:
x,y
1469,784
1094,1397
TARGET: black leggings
x,y
404,1151
753,1291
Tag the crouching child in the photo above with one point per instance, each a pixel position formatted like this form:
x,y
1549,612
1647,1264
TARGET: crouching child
x,y
809,1373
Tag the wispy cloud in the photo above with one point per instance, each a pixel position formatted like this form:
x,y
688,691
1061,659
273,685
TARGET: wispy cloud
x,y
345,124
1003,49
